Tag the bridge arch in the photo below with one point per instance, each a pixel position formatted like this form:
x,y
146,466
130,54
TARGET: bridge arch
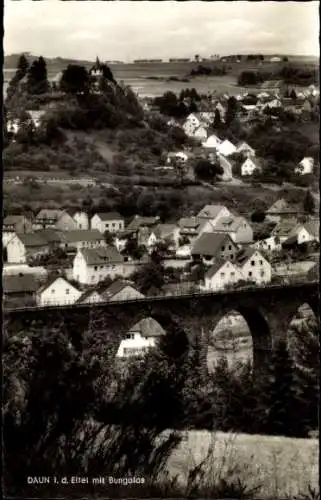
x,y
258,338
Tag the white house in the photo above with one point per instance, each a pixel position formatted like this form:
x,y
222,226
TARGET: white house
x,y
54,219
303,233
140,339
200,133
226,148
81,238
57,292
90,266
23,245
305,166
220,275
111,221
254,266
249,166
212,142
14,224
81,219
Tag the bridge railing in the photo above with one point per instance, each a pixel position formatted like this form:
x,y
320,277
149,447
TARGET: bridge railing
x,y
289,283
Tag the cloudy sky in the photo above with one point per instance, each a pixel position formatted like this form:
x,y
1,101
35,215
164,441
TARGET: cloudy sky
x,y
129,30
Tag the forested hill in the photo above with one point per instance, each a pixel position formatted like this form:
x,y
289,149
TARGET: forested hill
x,y
53,64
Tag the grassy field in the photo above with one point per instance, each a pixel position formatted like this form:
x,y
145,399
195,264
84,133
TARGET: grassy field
x,y
282,467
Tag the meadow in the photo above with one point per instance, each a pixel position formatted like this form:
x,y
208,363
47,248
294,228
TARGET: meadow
x,y
280,467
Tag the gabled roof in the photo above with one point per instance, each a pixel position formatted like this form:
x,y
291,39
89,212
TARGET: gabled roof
x,y
189,222
226,148
82,235
109,216
19,284
278,206
148,327
254,160
164,230
313,227
11,220
218,264
116,287
285,228
50,214
87,293
243,145
139,221
245,254
210,243
32,239
51,281
210,211
103,255
229,224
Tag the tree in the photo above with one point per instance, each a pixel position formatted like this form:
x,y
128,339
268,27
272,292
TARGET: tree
x,y
258,216
22,67
217,123
149,278
308,203
132,249
37,80
280,395
207,171
75,79
231,111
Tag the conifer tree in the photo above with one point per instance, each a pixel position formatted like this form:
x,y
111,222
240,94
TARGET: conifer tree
x,y
308,203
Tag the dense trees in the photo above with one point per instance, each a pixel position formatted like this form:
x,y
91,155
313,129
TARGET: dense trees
x,y
75,79
37,79
309,203
207,171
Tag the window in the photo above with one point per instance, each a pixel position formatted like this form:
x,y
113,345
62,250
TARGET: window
x,y
269,247
222,275
232,274
52,290
95,268
262,274
252,262
113,224
223,248
230,247
67,291
261,262
250,273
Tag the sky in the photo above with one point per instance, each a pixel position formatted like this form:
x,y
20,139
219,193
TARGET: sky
x,y
125,30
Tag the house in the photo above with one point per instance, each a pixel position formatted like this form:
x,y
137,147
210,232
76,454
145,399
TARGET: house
x,y
270,244
191,123
212,141
254,266
146,237
55,219
90,266
305,166
19,290
120,290
200,133
81,219
244,149
302,233
90,296
237,227
57,292
139,221
226,148
213,213
249,166
77,239
221,274
286,229
278,210
24,245
111,222
210,246
14,224
120,240
141,338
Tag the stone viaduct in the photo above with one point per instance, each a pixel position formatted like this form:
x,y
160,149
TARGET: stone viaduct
x,y
267,311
